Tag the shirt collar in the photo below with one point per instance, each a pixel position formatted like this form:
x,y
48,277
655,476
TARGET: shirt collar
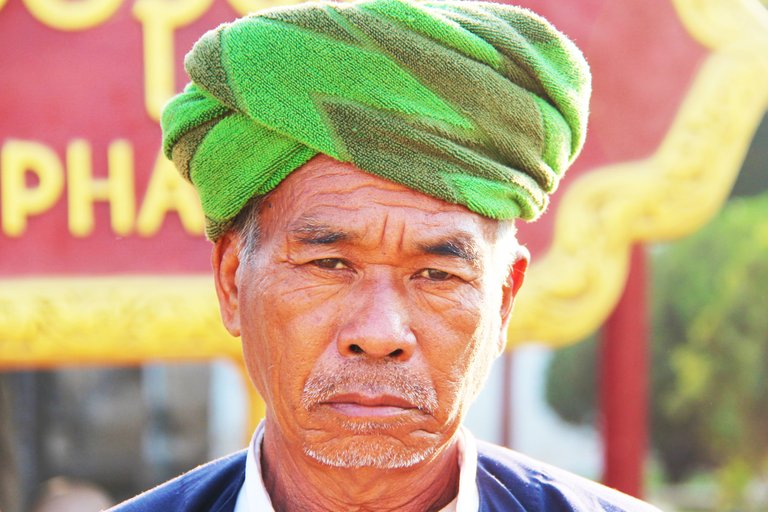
x,y
253,496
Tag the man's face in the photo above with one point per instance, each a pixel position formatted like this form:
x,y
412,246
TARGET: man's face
x,y
369,314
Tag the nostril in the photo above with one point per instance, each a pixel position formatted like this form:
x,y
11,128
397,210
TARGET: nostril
x,y
396,353
355,349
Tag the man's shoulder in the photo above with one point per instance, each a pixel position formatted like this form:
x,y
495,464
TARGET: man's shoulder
x,y
508,480
212,487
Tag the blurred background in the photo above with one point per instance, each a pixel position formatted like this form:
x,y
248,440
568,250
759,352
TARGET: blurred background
x,y
115,374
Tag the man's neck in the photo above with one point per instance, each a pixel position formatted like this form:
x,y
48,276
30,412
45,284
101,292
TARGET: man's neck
x,y
297,482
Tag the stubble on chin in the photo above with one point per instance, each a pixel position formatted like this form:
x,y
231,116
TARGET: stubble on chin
x,y
370,453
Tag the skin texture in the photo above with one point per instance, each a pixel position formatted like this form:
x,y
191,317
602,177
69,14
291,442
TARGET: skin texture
x,y
370,315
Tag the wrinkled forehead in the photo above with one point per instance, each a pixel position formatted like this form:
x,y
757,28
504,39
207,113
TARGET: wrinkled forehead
x,y
327,195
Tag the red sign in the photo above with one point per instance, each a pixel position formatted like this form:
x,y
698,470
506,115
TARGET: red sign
x,y
84,189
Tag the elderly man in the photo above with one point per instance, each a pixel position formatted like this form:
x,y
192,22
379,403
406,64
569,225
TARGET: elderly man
x,y
360,166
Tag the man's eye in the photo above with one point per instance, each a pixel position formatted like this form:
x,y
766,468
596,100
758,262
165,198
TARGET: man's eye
x,y
330,263
434,274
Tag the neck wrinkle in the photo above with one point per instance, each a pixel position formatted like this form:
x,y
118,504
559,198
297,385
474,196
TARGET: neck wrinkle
x,y
296,482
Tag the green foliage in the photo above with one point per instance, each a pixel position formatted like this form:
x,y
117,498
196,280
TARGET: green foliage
x,y
709,350
571,382
712,299
711,321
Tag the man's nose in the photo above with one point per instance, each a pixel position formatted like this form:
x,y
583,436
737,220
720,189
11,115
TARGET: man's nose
x,y
378,325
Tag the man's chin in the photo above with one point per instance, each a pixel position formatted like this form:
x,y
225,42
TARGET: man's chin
x,y
387,441
369,451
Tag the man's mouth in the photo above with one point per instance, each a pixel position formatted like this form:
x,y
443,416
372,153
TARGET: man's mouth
x,y
360,405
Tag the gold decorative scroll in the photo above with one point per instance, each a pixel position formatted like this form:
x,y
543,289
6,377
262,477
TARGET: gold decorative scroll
x,y
573,288
110,320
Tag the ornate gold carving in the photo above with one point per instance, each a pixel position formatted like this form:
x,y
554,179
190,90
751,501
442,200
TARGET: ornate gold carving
x,y
110,320
574,287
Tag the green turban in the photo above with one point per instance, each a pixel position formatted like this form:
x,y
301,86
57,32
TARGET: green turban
x,y
474,103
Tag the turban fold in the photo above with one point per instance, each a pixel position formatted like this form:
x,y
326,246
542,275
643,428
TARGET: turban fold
x,y
474,103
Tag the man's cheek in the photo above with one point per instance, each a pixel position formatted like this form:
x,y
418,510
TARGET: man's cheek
x,y
307,316
265,358
460,382
455,306
300,285
256,371
449,385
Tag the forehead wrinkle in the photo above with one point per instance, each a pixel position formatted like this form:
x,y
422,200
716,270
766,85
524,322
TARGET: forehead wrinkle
x,y
347,184
433,207
384,235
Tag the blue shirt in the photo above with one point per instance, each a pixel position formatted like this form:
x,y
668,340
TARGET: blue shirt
x,y
507,481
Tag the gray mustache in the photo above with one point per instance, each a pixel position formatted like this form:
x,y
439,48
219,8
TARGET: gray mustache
x,y
370,379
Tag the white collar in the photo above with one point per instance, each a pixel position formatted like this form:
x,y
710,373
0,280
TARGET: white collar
x,y
253,496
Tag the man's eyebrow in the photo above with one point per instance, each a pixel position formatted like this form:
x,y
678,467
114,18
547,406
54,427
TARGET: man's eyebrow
x,y
458,246
313,233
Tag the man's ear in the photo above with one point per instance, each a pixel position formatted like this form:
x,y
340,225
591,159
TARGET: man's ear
x,y
225,260
509,291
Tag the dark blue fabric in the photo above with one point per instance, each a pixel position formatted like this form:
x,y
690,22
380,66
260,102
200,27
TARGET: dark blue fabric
x,y
507,481
511,482
210,488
